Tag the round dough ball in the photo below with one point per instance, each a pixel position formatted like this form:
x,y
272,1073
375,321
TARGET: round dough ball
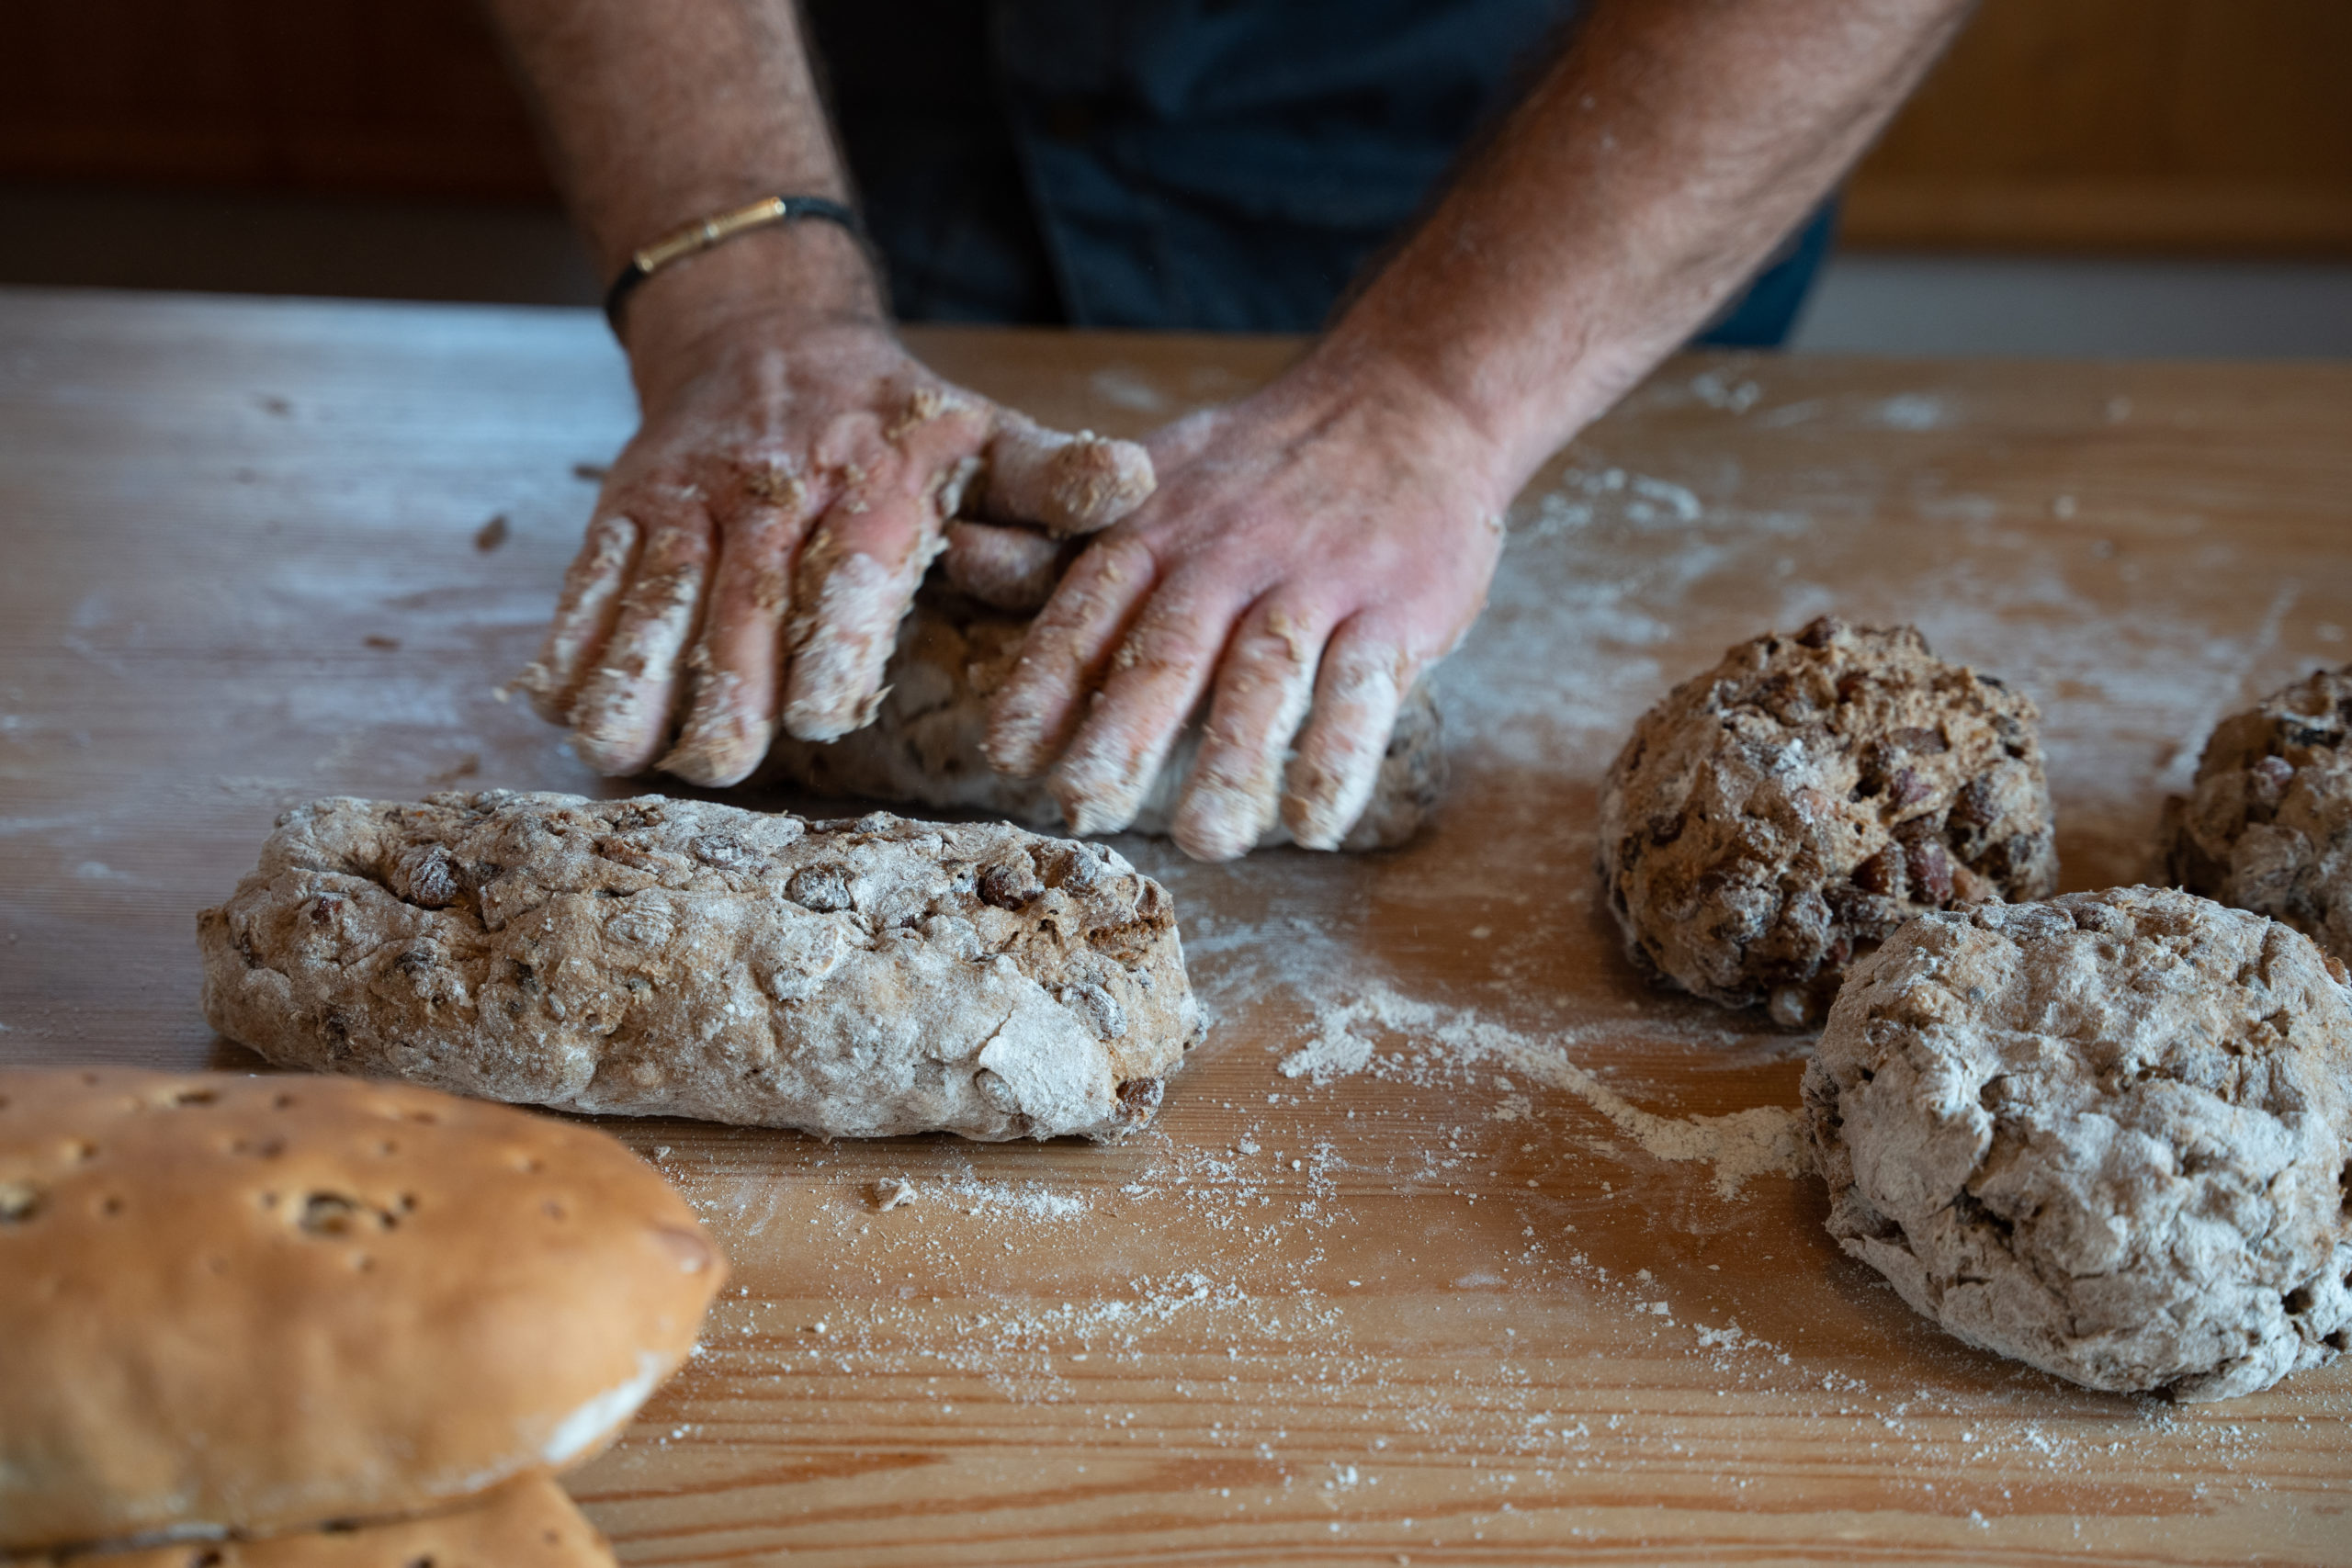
x,y
2268,826
2109,1135
1789,808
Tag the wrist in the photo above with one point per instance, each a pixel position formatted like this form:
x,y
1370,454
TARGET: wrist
x,y
786,279
1410,405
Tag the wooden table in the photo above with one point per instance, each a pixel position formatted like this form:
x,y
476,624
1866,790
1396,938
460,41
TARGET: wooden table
x,y
1488,1287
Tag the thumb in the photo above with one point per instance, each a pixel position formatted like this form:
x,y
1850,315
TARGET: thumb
x,y
1065,484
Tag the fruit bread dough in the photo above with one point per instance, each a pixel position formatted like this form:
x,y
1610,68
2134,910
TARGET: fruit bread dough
x,y
2268,826
2109,1135
524,1524
924,744
1787,809
674,957
232,1303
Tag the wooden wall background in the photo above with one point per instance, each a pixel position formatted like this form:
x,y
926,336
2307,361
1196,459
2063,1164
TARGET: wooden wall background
x,y
2166,125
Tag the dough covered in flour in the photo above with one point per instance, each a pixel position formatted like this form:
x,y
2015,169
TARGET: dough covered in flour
x,y
2268,826
2109,1135
923,747
672,957
1787,809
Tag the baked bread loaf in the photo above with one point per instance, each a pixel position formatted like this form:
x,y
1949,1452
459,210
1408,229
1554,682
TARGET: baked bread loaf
x,y
2106,1135
674,957
923,747
524,1524
2268,826
1784,812
236,1303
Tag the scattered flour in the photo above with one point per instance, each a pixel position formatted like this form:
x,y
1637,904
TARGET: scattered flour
x,y
1760,1141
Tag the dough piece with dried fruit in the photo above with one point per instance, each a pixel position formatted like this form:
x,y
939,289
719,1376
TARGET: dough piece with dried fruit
x,y
2268,825
656,957
1787,809
923,746
2108,1134
232,1303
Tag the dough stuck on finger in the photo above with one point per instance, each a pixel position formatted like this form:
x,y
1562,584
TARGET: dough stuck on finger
x,y
1004,568
621,718
584,614
850,606
1231,799
1065,484
1332,779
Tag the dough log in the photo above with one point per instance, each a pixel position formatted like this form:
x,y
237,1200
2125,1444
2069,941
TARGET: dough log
x,y
2109,1135
2268,825
923,747
1788,809
669,957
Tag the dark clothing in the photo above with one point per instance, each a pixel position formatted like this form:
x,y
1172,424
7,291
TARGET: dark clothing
x,y
1218,165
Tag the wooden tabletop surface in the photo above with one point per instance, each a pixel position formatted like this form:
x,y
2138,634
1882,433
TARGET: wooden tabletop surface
x,y
1454,1245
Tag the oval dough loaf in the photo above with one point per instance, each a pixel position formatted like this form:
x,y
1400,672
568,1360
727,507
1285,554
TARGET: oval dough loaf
x,y
524,1524
2268,825
672,957
2109,1135
923,746
256,1303
1787,809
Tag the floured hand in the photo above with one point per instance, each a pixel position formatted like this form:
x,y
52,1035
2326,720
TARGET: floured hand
x,y
760,539
1309,551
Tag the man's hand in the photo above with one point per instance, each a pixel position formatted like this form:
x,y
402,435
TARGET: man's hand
x,y
1310,550
760,539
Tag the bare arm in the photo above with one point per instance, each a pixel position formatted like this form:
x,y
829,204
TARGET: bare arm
x,y
1314,548
759,541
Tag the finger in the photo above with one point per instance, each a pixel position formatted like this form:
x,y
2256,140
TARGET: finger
x,y
737,665
621,720
1158,674
1363,679
1009,569
583,616
859,571
1064,657
1065,484
1264,688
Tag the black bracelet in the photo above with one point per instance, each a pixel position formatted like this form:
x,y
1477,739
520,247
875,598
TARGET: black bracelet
x,y
695,237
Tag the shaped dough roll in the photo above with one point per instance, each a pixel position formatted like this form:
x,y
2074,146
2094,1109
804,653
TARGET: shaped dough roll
x,y
668,958
923,746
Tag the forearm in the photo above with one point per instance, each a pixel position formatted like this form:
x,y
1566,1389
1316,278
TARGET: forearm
x,y
659,115
1649,174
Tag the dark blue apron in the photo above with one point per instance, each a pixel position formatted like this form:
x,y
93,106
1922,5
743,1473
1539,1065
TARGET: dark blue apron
x,y
1212,165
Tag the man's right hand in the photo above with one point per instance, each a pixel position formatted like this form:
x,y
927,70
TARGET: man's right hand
x,y
759,541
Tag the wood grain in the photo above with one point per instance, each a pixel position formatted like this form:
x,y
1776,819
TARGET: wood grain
x,y
1443,1303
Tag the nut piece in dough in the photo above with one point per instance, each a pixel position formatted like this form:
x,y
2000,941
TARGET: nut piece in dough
x,y
656,957
2268,825
524,1524
1788,809
923,747
254,1305
2109,1135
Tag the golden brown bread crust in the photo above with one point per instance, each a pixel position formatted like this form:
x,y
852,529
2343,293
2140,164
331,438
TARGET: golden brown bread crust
x,y
254,1304
524,1524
